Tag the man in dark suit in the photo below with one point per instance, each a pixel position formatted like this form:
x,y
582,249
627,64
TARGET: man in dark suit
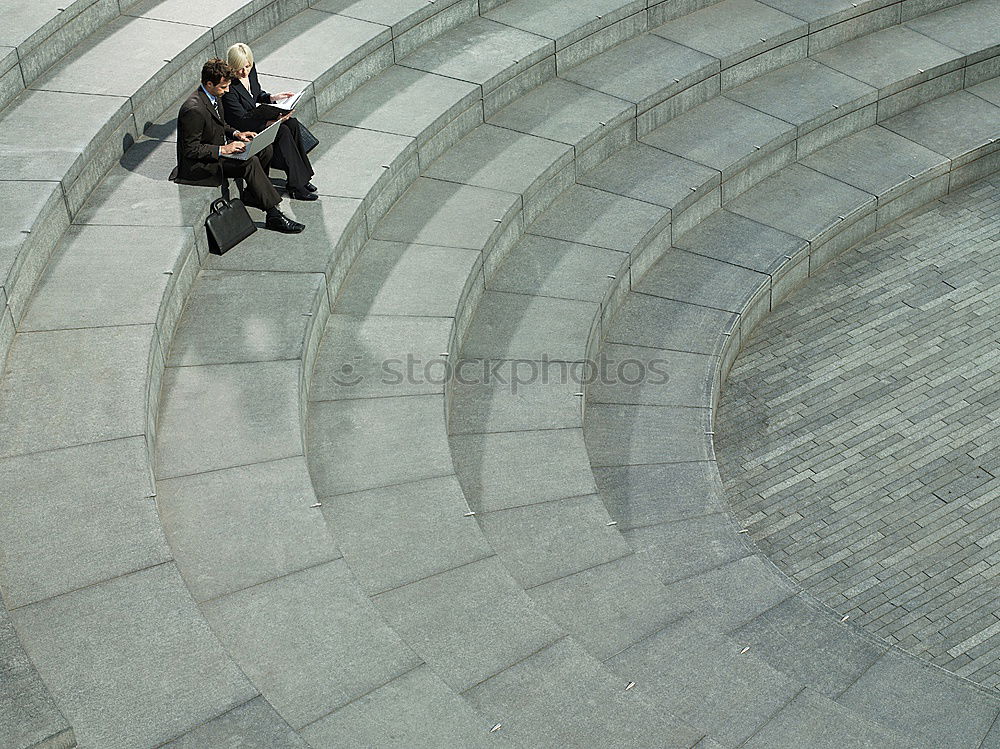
x,y
204,140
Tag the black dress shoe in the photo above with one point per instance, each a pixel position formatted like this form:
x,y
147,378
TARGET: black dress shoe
x,y
278,221
302,195
311,187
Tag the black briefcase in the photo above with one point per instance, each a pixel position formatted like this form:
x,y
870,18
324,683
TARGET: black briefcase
x,y
228,224
309,141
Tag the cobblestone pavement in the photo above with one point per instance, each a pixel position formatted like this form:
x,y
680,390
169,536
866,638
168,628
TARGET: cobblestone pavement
x,y
858,436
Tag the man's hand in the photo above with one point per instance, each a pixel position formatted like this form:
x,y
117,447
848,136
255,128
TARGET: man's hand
x,y
246,136
278,97
234,147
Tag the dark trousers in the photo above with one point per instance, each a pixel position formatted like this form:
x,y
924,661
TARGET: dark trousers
x,y
290,156
259,192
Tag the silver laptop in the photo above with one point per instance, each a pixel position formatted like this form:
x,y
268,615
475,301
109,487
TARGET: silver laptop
x,y
260,141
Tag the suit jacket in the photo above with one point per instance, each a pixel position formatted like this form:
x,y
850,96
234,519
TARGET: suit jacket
x,y
200,132
238,104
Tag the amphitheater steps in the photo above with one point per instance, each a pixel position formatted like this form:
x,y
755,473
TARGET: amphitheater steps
x,y
98,709
748,584
37,34
172,607
715,683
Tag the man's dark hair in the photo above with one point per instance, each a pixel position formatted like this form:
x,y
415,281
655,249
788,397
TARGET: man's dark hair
x,y
214,70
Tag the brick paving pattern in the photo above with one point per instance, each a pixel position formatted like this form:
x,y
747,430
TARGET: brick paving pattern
x,y
858,434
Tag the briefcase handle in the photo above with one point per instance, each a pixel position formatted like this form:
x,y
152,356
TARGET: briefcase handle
x,y
219,204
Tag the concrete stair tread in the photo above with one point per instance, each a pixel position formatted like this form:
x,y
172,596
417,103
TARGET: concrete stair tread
x,y
666,324
482,52
805,641
502,470
974,135
669,68
509,161
970,27
29,22
238,527
395,278
878,161
687,277
590,216
404,101
566,112
396,535
813,720
228,12
705,679
325,46
485,402
620,435
610,606
252,724
104,639
547,541
804,94
989,90
450,619
683,548
803,202
371,356
670,181
565,21
713,32
537,699
276,632
638,496
92,67
79,120
758,247
240,316
416,708
823,13
399,15
29,714
892,59
367,443
722,134
60,539
367,165
21,205
555,268
449,224
37,34
128,294
519,326
93,380
135,192
913,697
261,397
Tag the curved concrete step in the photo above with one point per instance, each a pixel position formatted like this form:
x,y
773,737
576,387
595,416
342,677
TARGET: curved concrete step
x,y
865,160
55,325
37,34
749,583
193,358
427,239
344,207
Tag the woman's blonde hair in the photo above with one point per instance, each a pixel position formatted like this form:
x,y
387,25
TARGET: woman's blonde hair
x,y
239,56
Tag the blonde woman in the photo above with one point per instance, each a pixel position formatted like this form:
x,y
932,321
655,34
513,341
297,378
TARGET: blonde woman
x,y
239,104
